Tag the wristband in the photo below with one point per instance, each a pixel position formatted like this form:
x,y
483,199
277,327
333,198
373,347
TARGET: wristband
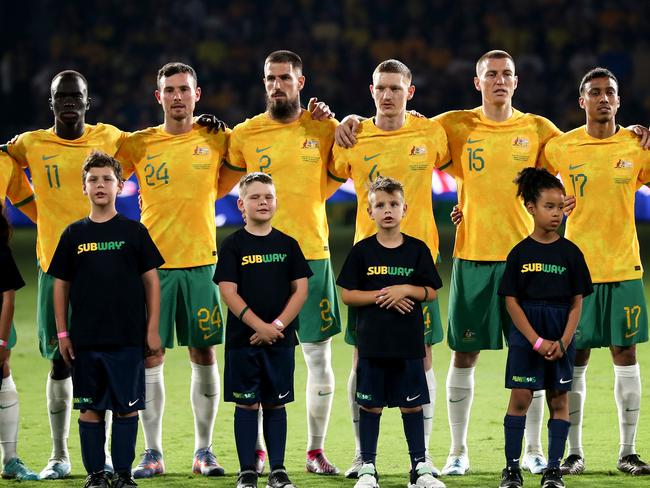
x,y
562,348
63,334
241,314
538,344
426,293
3,343
278,324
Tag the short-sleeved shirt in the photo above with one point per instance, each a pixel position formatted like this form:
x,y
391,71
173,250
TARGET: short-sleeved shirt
x,y
409,155
13,182
263,268
55,166
178,176
386,333
104,263
604,175
485,158
552,272
297,155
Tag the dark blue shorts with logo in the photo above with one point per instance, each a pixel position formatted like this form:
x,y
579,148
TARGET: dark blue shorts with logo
x,y
392,382
527,368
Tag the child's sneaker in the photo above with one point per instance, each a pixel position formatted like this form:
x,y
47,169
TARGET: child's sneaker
x,y
247,479
16,470
367,477
422,477
511,478
122,480
552,478
97,480
279,479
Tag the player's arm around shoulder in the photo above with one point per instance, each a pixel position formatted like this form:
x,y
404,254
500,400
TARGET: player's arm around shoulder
x,y
151,284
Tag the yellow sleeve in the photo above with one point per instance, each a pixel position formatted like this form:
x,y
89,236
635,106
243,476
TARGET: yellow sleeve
x,y
546,160
235,160
644,174
441,141
18,151
547,131
125,155
20,192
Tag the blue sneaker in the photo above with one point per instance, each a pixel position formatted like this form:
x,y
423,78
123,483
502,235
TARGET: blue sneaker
x,y
205,463
151,465
16,470
56,469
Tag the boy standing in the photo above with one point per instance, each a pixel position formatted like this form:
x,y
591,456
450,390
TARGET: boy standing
x,y
262,276
384,275
105,269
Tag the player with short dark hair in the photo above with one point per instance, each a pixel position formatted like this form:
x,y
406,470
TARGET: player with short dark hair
x,y
397,144
604,165
384,276
286,142
106,260
263,278
544,282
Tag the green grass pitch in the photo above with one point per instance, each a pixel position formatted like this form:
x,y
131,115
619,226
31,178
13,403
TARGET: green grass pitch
x,y
485,433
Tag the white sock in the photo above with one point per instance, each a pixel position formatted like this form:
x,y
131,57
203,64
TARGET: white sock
x,y
260,446
354,409
320,390
59,407
428,409
108,419
205,391
151,416
9,416
460,394
577,397
627,392
534,418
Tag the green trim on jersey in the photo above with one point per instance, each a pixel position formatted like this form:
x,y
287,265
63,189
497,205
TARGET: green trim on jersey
x,y
234,168
444,166
433,333
189,303
336,178
24,202
477,314
615,314
320,316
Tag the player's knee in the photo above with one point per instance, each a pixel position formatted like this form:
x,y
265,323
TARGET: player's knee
x,y
582,357
408,410
60,370
125,415
375,410
558,404
155,360
205,356
623,356
466,359
254,406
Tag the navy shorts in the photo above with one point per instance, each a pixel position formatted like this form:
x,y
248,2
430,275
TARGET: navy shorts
x,y
392,382
109,379
259,375
527,368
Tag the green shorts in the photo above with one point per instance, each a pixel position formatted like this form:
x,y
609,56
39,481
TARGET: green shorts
x,y
615,314
320,316
48,343
478,318
189,299
433,333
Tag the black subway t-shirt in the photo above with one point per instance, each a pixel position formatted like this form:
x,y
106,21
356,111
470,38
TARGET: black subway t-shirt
x,y
553,272
383,333
104,263
263,268
10,278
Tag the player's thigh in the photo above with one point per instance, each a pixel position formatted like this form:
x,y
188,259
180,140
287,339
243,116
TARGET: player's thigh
x,y
433,333
477,314
169,291
48,342
199,319
320,316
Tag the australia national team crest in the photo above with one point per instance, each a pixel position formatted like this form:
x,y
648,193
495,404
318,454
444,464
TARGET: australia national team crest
x,y
622,164
520,149
310,144
418,151
201,151
520,142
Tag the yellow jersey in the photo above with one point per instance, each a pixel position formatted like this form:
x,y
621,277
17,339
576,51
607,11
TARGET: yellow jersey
x,y
604,175
485,159
178,177
55,166
297,155
13,182
410,155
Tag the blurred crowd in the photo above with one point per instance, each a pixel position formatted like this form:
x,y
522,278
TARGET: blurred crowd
x,y
119,46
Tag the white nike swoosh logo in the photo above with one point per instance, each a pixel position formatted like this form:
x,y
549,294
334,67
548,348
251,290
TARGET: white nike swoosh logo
x,y
409,399
133,403
564,382
282,396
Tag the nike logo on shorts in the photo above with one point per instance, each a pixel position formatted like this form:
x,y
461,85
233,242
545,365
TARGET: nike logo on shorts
x,y
281,396
564,382
410,399
133,402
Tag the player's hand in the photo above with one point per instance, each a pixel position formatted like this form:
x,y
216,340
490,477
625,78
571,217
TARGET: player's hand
x,y
404,306
642,133
417,114
389,296
13,140
456,215
555,352
154,345
211,122
545,347
345,134
65,348
569,204
268,334
319,110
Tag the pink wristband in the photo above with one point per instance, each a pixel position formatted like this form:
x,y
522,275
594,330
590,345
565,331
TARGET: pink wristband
x,y
278,323
63,334
538,344
3,343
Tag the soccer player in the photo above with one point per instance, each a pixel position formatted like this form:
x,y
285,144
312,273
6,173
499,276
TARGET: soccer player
x,y
54,157
177,165
604,166
288,144
396,144
106,262
384,276
263,276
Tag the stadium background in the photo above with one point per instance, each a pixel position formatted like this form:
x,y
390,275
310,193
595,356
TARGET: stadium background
x,y
120,45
